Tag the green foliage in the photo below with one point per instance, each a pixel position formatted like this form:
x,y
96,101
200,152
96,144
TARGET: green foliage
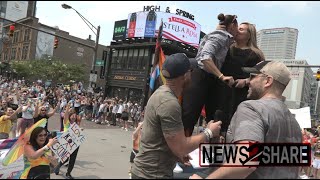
x,y
45,69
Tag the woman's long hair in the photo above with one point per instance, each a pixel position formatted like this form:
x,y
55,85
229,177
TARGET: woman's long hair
x,y
252,42
34,136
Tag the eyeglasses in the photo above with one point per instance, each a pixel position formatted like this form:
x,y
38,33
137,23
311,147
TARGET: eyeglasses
x,y
43,135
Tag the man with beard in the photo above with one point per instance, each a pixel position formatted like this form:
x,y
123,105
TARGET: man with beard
x,y
263,119
163,141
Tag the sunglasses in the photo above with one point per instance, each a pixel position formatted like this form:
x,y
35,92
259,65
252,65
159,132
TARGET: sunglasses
x,y
253,75
43,135
43,110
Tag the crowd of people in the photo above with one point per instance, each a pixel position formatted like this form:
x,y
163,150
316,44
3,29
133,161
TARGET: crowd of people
x,y
24,104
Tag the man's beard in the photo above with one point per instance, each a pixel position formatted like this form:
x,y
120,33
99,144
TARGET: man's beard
x,y
254,93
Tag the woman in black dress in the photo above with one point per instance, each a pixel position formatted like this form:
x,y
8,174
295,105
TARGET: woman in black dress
x,y
243,53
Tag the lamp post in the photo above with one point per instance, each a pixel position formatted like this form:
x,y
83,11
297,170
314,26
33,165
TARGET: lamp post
x,y
97,33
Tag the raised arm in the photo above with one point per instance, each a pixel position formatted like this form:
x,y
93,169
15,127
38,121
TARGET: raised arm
x,y
54,110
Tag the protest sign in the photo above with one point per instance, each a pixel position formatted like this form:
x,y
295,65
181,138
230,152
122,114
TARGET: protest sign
x,y
68,142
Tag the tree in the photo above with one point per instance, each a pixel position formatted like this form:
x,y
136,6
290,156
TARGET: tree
x,y
54,70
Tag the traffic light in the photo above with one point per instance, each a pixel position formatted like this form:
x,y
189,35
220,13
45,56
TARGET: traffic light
x,y
56,43
318,75
11,30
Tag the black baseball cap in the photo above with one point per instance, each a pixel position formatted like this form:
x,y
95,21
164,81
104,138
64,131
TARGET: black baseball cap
x,y
175,65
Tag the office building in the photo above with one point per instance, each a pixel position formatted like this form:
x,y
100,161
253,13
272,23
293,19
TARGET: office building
x,y
278,43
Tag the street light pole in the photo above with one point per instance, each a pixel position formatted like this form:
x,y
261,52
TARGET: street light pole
x,y
65,6
96,50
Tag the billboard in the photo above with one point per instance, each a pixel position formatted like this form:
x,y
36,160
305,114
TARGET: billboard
x,y
120,29
16,10
44,47
175,27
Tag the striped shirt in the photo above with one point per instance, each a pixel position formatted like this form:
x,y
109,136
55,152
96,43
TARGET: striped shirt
x,y
215,46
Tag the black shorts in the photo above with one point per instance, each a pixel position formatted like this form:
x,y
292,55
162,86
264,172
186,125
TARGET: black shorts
x,y
133,155
118,115
126,118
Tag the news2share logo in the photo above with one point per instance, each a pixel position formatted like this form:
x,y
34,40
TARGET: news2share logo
x,y
254,154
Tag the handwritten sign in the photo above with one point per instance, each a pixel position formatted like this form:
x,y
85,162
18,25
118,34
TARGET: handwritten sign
x,y
14,170
68,142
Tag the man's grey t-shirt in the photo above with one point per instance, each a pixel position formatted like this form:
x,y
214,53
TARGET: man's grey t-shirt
x,y
163,114
266,121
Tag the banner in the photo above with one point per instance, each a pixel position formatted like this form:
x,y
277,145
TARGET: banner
x,y
16,10
175,27
120,29
303,117
68,142
14,170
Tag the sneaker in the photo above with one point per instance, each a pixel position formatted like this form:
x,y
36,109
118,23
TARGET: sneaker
x,y
103,123
69,176
304,177
122,128
56,170
93,120
126,129
178,169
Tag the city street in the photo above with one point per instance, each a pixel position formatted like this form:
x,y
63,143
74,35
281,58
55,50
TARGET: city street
x,y
104,154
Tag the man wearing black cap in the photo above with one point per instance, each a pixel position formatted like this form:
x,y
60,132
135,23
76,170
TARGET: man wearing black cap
x,y
264,119
163,141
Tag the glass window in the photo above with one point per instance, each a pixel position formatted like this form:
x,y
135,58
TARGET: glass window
x,y
135,59
27,33
145,59
114,59
129,61
25,50
140,58
124,59
119,60
13,53
16,37
5,56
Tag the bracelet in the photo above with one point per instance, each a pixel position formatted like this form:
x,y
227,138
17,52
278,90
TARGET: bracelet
x,y
46,148
220,76
207,135
209,132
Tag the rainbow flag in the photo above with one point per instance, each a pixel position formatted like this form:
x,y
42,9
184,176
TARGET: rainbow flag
x,y
159,58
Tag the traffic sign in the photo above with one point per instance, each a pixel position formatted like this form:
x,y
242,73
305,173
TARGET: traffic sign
x,y
99,62
93,77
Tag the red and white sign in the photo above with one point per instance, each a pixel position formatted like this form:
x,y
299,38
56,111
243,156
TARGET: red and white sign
x,y
175,27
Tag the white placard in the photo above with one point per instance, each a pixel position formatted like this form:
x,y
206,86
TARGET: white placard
x,y
68,142
303,117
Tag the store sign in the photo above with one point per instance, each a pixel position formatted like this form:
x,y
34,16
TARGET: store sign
x,y
178,11
120,28
128,78
175,27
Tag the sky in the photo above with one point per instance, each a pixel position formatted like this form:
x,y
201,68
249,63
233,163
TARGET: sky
x,y
302,15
